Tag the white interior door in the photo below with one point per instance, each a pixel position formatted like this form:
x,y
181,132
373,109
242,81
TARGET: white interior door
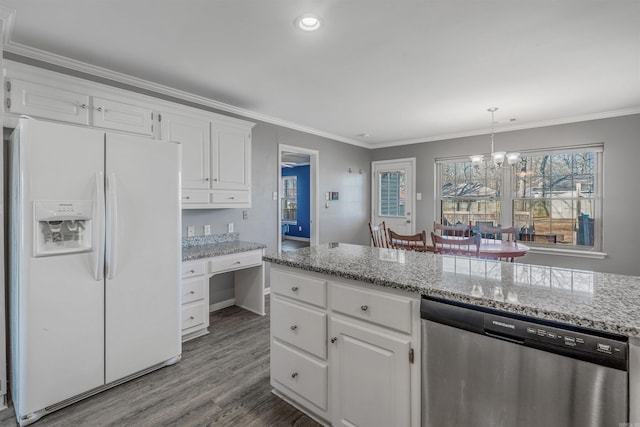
x,y
142,287
393,195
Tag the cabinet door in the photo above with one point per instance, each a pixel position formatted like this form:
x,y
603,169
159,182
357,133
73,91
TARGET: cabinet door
x,y
195,136
230,157
38,100
111,114
370,376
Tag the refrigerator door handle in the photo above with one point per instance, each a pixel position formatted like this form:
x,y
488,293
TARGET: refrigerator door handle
x,y
98,238
112,221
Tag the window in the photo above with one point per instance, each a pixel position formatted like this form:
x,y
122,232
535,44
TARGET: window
x,y
289,199
392,193
554,196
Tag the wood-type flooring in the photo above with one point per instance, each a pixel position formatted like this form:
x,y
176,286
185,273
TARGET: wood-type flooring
x,y
222,380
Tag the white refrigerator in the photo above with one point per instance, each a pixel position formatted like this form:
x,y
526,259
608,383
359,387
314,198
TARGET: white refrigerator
x,y
94,262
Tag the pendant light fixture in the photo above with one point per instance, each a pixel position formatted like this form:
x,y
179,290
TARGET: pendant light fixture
x,y
498,157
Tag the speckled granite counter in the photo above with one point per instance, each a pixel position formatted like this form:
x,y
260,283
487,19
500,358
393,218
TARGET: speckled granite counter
x,y
606,302
208,250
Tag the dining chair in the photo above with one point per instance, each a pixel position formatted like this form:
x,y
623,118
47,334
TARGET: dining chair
x,y
451,230
469,246
379,235
414,242
511,233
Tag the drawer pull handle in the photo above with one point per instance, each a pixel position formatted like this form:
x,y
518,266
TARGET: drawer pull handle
x,y
192,271
333,340
294,288
232,198
192,292
191,317
187,197
237,262
364,307
294,327
295,374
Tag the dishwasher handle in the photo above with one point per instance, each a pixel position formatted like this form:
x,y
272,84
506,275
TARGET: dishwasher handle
x,y
504,337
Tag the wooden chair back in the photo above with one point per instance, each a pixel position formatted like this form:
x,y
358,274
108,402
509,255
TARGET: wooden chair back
x,y
415,242
492,233
469,246
451,230
379,237
510,232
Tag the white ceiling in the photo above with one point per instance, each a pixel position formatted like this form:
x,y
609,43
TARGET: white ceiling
x,y
401,71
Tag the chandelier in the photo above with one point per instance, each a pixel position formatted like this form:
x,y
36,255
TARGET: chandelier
x,y
498,157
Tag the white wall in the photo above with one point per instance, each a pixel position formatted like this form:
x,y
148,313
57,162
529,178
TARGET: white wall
x,y
621,203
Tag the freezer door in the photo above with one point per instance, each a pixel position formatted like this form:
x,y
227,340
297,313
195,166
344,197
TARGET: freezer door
x,y
143,253
56,302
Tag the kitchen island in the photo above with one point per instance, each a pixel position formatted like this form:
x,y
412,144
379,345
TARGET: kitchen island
x,y
599,301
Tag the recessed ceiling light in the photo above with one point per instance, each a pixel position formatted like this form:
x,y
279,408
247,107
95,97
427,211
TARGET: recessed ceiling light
x,y
308,22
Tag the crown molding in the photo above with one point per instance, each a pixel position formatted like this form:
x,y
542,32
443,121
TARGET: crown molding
x,y
83,67
7,16
532,125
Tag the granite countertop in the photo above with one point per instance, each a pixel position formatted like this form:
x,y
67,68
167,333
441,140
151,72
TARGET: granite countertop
x,y
601,301
212,249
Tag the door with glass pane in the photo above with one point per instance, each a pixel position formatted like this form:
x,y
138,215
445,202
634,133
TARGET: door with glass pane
x,y
393,194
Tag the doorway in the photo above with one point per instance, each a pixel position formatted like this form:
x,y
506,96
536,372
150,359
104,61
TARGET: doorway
x,y
393,194
297,198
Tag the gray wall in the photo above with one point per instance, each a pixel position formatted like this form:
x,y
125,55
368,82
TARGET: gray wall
x,y
621,202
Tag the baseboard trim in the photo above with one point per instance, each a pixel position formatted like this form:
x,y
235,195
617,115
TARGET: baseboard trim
x,y
222,304
300,239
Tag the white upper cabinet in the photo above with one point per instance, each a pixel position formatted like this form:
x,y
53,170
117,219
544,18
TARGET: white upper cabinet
x,y
216,149
195,135
230,156
113,114
40,100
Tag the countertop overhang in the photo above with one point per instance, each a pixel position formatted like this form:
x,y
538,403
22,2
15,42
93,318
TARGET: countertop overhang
x,y
601,301
200,251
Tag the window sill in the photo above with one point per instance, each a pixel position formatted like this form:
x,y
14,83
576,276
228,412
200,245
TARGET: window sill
x,y
567,252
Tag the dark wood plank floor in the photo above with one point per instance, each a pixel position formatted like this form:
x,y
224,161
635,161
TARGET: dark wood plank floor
x,y
222,380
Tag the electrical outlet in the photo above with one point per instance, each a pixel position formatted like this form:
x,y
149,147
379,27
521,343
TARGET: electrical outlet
x,y
230,227
207,230
191,231
299,228
245,214
275,195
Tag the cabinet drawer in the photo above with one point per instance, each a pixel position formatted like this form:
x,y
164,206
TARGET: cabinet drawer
x,y
299,287
300,326
235,261
194,196
192,269
300,373
387,310
230,196
195,316
193,289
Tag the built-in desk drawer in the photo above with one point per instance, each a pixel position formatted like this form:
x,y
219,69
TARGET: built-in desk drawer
x,y
302,288
300,373
192,269
194,196
194,316
387,310
300,326
230,196
235,261
193,289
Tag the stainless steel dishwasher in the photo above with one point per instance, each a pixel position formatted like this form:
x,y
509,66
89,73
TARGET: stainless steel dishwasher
x,y
482,367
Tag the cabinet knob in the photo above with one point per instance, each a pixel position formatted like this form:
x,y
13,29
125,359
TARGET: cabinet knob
x,y
99,108
187,197
192,271
295,374
215,179
206,179
333,340
237,262
294,327
192,292
231,198
191,317
294,289
83,106
364,307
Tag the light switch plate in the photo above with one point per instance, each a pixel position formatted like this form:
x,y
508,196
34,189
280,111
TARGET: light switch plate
x,y
275,195
418,196
245,214
191,231
230,227
207,230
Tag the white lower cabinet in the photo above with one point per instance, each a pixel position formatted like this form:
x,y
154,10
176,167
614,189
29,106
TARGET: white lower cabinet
x,y
195,300
343,352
